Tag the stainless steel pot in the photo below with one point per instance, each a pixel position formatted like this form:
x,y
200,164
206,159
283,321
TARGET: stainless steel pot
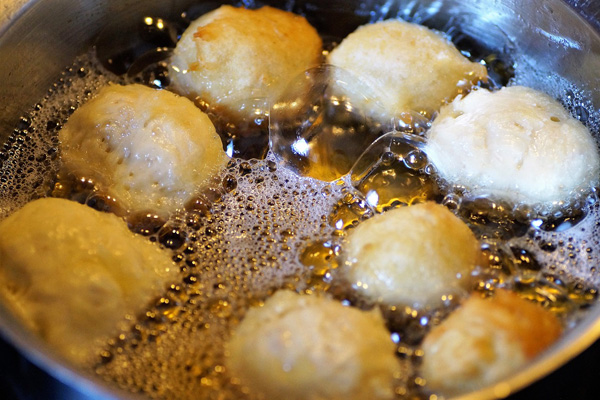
x,y
549,39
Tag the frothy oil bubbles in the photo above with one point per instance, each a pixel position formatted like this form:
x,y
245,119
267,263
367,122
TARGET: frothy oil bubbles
x,y
267,224
245,247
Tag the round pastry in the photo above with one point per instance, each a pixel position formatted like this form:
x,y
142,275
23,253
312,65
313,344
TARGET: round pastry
x,y
150,149
484,341
411,255
408,66
301,347
74,275
232,54
516,144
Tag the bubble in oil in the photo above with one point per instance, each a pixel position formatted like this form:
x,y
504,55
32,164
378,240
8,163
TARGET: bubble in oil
x,y
393,172
146,224
321,258
152,68
245,134
545,293
348,212
491,219
316,129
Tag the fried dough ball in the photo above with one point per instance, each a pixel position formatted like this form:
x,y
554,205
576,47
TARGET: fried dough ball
x,y
151,149
301,347
232,54
408,66
484,341
73,274
516,144
412,255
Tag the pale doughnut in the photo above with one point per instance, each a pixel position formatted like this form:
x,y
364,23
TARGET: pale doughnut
x,y
516,144
485,340
232,54
410,256
151,149
73,274
408,67
300,347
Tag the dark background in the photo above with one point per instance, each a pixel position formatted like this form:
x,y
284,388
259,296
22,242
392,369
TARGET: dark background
x,y
577,380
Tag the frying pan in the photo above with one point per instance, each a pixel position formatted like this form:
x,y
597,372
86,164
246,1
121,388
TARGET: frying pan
x,y
549,41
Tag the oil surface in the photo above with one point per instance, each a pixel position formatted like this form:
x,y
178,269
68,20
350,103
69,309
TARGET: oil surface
x,y
262,227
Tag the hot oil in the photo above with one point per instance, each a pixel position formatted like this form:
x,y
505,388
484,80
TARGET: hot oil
x,y
30,157
249,244
262,227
